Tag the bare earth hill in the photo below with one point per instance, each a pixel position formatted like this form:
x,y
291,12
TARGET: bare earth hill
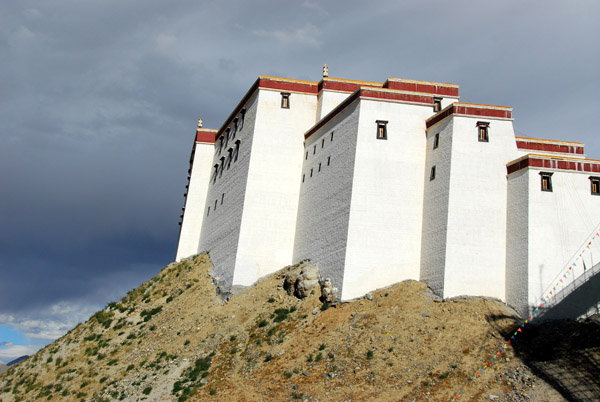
x,y
174,338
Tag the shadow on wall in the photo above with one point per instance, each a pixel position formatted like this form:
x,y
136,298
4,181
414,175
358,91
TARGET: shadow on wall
x,y
566,354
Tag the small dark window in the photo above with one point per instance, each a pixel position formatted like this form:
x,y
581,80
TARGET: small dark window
x,y
546,181
595,183
235,127
482,131
306,157
319,167
237,150
432,174
215,205
323,143
436,141
381,129
229,157
222,165
332,136
311,172
227,131
216,173
242,114
222,198
437,104
303,178
328,160
221,144
314,149
285,100
208,213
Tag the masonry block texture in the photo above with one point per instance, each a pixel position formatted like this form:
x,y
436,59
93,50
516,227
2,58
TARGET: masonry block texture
x,y
310,177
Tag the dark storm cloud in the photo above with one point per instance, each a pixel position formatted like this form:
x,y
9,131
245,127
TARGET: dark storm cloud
x,y
100,98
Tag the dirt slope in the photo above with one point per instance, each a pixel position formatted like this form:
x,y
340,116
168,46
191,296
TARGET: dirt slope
x,y
174,339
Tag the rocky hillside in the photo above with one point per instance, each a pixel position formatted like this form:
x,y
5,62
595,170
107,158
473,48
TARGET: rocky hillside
x,y
175,339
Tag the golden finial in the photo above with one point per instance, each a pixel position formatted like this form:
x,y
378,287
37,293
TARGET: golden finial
x,y
199,124
325,71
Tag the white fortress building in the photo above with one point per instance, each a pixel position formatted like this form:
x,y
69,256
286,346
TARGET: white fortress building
x,y
381,182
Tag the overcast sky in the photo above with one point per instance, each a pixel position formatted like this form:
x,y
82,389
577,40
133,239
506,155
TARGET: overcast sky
x,y
99,102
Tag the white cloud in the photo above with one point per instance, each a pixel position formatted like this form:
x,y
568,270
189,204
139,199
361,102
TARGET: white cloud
x,y
307,35
5,344
49,323
14,351
313,5
164,42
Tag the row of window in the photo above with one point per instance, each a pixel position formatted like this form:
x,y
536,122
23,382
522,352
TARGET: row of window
x,y
546,181
216,203
312,170
232,156
482,134
230,132
322,146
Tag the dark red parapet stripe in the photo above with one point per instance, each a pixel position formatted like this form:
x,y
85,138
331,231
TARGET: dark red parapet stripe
x,y
467,109
285,85
532,145
207,136
424,87
540,161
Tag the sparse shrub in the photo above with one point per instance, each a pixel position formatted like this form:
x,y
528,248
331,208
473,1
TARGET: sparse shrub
x,y
325,306
262,323
319,357
169,299
292,309
112,362
271,300
309,358
287,374
280,314
212,391
390,350
369,355
147,390
147,314
444,375
187,342
331,355
232,338
322,347
268,357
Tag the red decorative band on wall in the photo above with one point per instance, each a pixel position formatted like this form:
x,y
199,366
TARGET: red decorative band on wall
x,y
288,86
423,88
208,136
398,96
497,112
583,165
545,147
372,94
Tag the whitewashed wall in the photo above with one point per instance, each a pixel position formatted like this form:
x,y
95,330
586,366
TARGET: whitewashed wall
x,y
435,206
195,203
221,228
384,235
271,201
559,222
476,231
517,240
324,208
328,100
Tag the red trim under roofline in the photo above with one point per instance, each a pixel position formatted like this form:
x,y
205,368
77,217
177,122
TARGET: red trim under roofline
x,y
545,147
479,111
288,86
370,93
206,136
422,87
584,165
